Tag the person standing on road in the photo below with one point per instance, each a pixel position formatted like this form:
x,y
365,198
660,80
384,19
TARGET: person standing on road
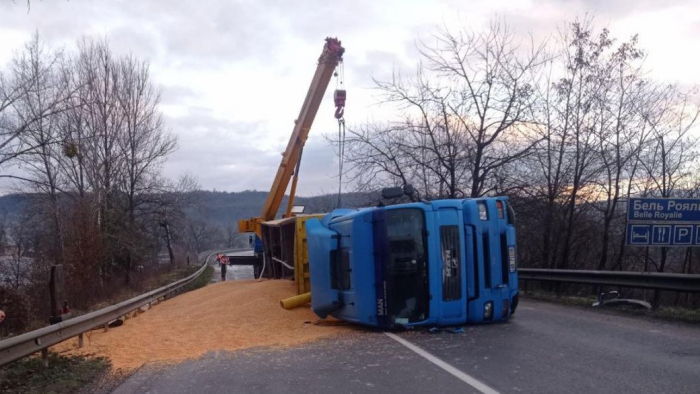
x,y
223,261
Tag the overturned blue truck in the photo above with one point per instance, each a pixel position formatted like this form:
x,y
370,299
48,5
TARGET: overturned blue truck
x,y
437,263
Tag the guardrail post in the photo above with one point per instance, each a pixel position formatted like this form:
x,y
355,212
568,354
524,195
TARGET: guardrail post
x,y
106,327
45,356
80,341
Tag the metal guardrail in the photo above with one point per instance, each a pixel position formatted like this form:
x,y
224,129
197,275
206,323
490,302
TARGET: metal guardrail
x,y
23,345
38,340
643,280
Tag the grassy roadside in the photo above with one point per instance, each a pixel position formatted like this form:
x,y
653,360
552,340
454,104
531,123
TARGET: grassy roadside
x,y
63,375
684,315
202,280
177,274
164,279
71,374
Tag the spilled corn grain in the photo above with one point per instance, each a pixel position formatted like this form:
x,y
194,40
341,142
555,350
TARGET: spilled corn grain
x,y
224,316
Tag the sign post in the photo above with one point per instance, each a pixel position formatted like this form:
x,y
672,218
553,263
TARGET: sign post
x,y
663,222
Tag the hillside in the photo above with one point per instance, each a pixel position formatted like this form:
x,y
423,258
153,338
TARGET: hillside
x,y
224,208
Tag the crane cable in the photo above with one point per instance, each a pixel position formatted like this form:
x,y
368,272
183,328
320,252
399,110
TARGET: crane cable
x,y
340,95
341,154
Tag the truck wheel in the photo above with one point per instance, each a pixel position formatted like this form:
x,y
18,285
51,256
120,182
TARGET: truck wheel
x,y
514,304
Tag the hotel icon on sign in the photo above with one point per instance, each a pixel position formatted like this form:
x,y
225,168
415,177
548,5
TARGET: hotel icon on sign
x,y
640,235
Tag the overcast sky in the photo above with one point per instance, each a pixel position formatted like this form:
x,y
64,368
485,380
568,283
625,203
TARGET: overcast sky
x,y
234,73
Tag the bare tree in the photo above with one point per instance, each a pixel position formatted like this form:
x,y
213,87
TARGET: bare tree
x,y
490,82
576,117
85,129
623,132
17,268
169,203
465,117
28,95
44,102
231,236
201,236
669,160
143,144
374,155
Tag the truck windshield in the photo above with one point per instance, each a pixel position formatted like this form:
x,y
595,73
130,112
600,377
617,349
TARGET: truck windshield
x,y
407,267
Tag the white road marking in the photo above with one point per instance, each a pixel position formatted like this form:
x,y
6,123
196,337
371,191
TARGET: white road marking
x,y
466,378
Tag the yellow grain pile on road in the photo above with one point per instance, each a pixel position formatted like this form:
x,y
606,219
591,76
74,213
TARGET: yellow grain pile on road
x,y
224,316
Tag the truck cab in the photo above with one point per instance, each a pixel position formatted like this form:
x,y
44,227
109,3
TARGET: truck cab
x,y
438,263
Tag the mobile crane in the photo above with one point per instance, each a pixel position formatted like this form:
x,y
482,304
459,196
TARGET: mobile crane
x,y
280,245
331,56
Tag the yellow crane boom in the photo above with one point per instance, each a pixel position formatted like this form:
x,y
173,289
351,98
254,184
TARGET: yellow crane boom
x,y
331,56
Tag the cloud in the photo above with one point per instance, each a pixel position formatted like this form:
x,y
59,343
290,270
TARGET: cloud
x,y
610,9
225,155
235,73
177,95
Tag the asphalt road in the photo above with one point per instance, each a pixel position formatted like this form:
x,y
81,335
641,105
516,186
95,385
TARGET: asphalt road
x,y
546,348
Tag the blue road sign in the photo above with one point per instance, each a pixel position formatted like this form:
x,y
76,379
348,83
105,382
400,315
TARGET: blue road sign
x,y
663,222
663,210
674,234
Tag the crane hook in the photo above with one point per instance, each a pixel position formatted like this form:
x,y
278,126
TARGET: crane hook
x,y
339,97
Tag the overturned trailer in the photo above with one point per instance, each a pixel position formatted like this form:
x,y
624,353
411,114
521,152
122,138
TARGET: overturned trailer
x,y
283,252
